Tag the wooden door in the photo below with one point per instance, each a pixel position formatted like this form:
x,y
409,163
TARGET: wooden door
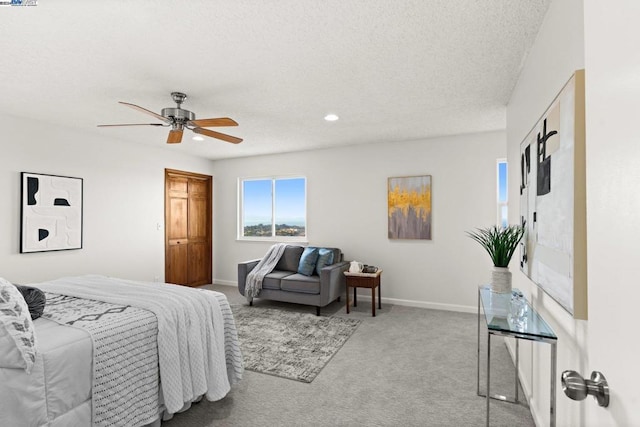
x,y
187,228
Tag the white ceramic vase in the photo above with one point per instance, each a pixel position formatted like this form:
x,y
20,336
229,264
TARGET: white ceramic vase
x,y
501,280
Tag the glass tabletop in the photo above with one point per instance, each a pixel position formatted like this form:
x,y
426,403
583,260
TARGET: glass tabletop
x,y
503,315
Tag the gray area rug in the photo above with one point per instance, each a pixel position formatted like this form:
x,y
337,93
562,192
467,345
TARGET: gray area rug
x,y
288,344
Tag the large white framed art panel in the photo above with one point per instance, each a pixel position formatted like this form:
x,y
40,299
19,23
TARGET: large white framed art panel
x,y
553,200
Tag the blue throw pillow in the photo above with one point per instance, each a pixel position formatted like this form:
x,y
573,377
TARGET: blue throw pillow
x,y
308,261
325,257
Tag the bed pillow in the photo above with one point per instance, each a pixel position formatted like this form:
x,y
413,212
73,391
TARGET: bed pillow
x,y
325,257
308,260
35,300
17,332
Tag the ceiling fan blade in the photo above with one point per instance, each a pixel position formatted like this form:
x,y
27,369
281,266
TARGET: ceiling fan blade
x,y
205,123
144,110
218,135
175,137
133,124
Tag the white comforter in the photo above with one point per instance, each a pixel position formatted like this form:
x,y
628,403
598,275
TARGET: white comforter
x,y
191,334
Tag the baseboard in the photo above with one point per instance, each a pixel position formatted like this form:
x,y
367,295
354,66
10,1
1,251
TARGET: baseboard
x,y
225,282
424,304
393,301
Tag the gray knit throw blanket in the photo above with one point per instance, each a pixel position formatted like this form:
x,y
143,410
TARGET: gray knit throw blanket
x,y
264,267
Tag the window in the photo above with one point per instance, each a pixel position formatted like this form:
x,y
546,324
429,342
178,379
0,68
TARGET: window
x,y
503,217
273,208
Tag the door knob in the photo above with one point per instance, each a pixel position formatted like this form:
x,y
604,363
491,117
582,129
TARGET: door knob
x,y
578,388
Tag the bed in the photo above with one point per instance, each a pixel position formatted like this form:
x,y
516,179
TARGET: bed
x,y
114,352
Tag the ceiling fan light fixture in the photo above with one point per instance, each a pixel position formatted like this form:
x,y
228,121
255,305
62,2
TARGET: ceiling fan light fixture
x,y
198,138
331,117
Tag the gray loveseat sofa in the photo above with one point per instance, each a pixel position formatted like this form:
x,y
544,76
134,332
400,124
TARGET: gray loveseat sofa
x,y
285,284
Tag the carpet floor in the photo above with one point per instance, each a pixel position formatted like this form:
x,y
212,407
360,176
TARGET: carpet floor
x,y
405,367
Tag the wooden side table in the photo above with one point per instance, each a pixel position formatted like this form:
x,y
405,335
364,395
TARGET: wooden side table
x,y
364,280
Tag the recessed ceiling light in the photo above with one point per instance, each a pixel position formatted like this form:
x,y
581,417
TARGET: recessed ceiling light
x,y
331,117
198,138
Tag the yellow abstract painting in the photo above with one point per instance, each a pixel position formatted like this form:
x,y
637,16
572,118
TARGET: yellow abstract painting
x,y
409,207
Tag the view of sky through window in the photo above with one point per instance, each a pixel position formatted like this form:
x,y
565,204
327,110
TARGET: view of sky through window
x,y
290,202
503,216
274,207
257,202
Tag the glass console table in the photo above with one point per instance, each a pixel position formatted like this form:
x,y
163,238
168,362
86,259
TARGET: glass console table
x,y
530,326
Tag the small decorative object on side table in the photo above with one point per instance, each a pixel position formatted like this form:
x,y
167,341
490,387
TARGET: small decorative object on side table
x,y
364,280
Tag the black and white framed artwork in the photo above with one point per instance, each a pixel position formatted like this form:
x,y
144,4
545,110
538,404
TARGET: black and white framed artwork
x,y
553,200
51,213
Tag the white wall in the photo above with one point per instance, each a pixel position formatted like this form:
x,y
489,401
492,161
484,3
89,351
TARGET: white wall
x,y
347,204
557,52
123,201
347,208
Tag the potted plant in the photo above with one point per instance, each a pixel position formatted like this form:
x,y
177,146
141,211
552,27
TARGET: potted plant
x,y
500,243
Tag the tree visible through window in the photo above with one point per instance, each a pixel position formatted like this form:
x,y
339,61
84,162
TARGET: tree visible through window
x,y
273,207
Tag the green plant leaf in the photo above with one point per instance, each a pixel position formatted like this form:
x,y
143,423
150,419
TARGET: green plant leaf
x,y
500,243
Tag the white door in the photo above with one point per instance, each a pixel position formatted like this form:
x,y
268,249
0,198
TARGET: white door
x,y
612,64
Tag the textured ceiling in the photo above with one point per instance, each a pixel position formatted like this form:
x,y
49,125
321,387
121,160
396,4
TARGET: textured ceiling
x,y
393,70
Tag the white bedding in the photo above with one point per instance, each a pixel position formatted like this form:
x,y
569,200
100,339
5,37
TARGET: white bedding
x,y
125,357
58,391
197,343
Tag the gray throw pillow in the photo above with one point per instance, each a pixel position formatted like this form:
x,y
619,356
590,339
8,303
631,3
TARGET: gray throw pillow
x,y
35,300
290,259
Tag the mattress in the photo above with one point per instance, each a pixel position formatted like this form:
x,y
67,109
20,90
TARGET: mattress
x,y
59,386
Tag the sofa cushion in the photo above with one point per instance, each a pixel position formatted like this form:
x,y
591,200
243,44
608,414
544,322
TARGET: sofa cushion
x,y
308,260
325,257
290,259
301,283
272,280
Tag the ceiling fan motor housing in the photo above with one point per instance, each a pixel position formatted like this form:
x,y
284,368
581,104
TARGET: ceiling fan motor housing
x,y
179,114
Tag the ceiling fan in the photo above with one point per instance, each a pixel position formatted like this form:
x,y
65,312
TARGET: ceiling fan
x,y
179,119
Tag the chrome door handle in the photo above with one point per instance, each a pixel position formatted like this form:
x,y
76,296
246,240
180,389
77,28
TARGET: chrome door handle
x,y
577,388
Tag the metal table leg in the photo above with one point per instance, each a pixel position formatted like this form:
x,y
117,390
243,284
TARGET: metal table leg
x,y
488,373
517,362
553,384
478,358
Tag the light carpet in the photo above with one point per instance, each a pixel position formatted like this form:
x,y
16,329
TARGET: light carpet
x,y
407,366
288,344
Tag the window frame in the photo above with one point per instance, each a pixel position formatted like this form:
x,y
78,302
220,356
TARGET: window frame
x,y
502,204
273,238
